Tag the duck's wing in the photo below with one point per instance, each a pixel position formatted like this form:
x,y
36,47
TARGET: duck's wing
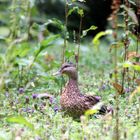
x,y
90,100
94,99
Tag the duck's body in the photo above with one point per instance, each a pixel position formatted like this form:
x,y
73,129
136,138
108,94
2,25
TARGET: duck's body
x,y
72,101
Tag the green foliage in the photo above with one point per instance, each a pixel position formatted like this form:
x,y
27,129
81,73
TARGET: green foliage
x,y
20,120
87,30
96,40
44,44
131,14
30,54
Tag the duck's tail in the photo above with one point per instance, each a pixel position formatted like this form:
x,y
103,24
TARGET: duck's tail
x,y
105,109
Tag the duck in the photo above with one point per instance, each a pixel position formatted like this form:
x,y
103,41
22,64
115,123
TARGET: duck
x,y
72,101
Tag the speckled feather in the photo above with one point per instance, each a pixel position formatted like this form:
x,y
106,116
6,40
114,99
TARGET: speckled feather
x,y
72,101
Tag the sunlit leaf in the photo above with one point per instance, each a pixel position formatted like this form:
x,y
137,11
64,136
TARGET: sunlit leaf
x,y
20,120
96,40
81,12
127,64
72,10
91,112
94,109
86,31
136,66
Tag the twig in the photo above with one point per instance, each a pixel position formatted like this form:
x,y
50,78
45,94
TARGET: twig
x,y
79,42
65,32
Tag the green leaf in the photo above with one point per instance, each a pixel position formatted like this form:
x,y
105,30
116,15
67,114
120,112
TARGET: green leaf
x,y
20,120
55,22
46,42
127,64
86,31
96,40
35,26
69,53
131,14
91,112
72,10
94,109
136,67
81,12
43,45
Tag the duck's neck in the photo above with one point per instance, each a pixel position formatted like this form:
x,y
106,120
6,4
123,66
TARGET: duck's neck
x,y
73,82
72,86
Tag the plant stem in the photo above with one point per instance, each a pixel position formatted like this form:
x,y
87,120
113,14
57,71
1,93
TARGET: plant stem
x,y
79,42
138,38
115,7
126,43
65,32
29,20
117,98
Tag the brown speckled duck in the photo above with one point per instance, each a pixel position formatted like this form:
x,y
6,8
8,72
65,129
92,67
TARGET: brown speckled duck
x,y
72,101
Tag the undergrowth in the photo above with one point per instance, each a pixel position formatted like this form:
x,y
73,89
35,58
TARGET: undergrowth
x,y
108,66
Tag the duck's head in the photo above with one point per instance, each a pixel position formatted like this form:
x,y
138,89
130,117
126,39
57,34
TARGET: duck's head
x,y
69,69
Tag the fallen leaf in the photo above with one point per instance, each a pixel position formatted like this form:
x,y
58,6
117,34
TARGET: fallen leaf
x,y
119,88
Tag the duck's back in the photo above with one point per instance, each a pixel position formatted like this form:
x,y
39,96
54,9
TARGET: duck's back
x,y
75,104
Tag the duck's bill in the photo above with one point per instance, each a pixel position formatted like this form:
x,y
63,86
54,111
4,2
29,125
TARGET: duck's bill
x,y
58,73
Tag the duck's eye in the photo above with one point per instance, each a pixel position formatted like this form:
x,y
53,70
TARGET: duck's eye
x,y
65,66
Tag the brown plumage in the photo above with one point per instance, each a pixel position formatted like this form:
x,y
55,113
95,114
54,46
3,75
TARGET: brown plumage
x,y
72,101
